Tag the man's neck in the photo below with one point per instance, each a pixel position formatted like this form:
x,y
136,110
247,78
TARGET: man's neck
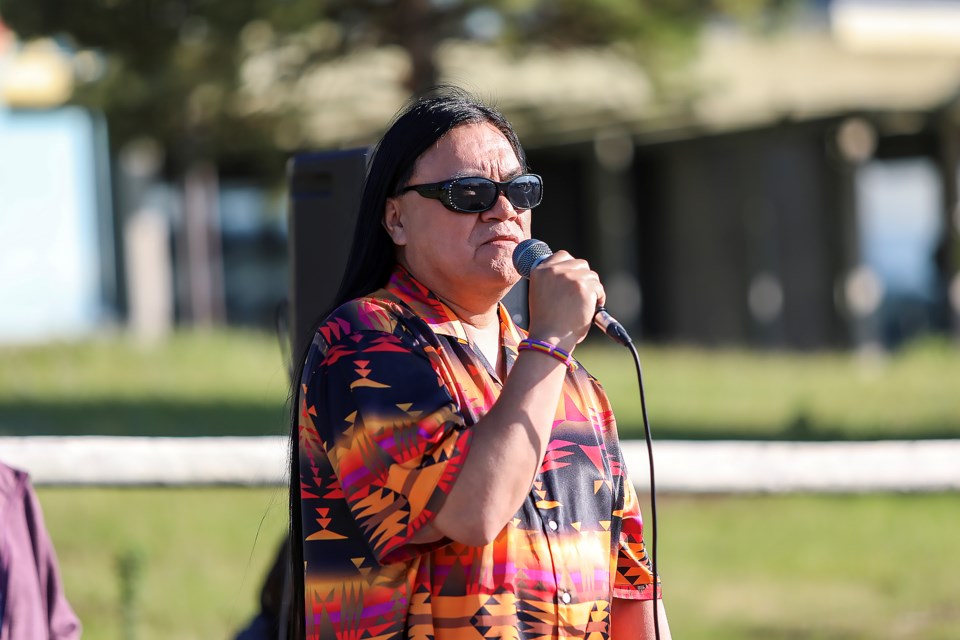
x,y
487,341
479,317
479,313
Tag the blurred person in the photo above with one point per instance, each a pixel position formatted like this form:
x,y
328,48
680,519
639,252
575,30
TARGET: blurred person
x,y
268,622
459,477
33,605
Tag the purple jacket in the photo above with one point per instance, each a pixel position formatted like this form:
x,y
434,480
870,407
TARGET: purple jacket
x,y
32,602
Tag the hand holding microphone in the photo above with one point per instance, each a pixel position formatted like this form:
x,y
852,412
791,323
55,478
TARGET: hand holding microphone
x,y
529,254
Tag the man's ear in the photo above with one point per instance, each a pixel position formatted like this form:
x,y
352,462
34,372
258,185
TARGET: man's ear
x,y
393,222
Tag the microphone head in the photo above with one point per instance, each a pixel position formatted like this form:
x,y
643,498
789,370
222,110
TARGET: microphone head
x,y
528,254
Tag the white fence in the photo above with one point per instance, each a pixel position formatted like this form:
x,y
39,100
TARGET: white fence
x,y
681,466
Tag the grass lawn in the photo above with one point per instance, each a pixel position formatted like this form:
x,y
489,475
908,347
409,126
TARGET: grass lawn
x,y
748,567
201,556
231,382
735,568
202,383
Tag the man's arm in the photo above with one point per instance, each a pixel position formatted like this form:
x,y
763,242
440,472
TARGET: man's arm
x,y
633,620
509,442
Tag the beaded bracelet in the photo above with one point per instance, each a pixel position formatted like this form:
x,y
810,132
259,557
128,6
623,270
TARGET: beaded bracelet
x,y
529,344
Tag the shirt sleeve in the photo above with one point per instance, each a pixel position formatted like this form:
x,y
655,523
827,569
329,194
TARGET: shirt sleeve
x,y
34,604
634,578
392,433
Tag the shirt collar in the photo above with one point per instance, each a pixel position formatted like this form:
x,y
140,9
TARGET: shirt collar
x,y
441,319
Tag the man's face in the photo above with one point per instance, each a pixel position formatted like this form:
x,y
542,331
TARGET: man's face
x,y
456,253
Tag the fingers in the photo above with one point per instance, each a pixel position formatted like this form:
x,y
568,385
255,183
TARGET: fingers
x,y
563,264
564,295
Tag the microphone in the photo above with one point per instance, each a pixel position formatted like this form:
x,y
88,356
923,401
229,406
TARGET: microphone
x,y
530,253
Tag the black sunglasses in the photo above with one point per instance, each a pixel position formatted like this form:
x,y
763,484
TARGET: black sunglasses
x,y
475,194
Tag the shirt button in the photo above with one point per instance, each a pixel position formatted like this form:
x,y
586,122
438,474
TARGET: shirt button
x,y
553,525
565,597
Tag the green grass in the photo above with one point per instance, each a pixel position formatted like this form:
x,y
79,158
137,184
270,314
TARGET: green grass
x,y
202,555
750,567
201,383
735,568
866,566
230,382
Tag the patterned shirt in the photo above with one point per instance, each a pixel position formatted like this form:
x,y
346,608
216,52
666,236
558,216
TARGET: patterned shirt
x,y
390,394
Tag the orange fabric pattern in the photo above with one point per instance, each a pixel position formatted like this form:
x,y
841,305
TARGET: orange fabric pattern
x,y
390,393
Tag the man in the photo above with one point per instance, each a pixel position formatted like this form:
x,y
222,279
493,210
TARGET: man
x,y
458,477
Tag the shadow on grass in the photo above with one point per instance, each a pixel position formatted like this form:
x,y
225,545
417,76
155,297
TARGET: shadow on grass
x,y
166,418
142,418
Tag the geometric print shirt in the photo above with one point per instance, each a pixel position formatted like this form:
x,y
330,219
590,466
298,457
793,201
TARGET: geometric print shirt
x,y
390,394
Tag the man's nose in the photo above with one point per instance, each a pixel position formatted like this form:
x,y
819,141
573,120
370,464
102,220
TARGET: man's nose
x,y
502,209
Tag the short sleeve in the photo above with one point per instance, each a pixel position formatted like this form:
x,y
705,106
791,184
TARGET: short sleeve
x,y
634,571
392,433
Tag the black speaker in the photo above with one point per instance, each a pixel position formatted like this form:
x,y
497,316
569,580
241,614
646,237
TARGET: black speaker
x,y
325,190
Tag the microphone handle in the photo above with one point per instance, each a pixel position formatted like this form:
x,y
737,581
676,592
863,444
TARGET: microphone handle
x,y
606,323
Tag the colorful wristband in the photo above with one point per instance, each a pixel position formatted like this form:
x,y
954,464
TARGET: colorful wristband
x,y
528,344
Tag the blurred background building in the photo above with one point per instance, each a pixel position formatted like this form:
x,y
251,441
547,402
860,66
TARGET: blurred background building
x,y
785,175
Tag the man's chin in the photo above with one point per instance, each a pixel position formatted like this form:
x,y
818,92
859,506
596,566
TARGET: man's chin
x,y
503,267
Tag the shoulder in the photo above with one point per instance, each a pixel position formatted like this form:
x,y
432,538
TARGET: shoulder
x,y
14,485
377,312
369,321
12,480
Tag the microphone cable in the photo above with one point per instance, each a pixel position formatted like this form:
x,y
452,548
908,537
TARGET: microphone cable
x,y
653,487
526,256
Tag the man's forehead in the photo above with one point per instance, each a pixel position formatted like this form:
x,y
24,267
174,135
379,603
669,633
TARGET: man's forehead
x,y
472,149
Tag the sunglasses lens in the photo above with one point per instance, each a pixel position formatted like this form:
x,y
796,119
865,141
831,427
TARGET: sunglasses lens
x,y
473,194
525,192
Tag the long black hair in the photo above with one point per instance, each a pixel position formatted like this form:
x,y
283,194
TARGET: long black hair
x,y
372,258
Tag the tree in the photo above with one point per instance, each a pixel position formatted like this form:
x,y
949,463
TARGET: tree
x,y
173,67
179,72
